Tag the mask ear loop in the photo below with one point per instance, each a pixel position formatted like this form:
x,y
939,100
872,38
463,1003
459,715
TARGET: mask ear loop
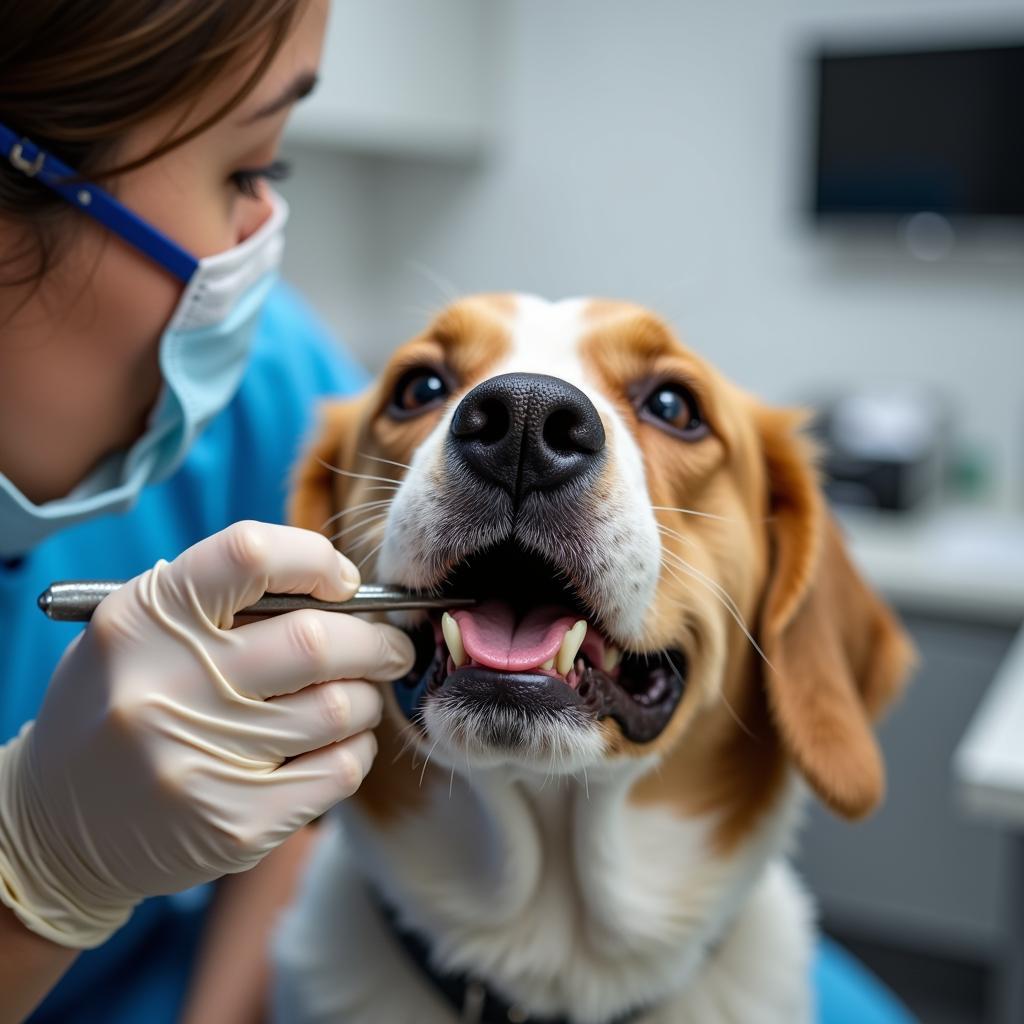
x,y
27,158
30,170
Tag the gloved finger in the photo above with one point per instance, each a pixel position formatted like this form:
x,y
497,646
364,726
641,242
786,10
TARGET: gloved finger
x,y
281,655
313,783
316,716
232,569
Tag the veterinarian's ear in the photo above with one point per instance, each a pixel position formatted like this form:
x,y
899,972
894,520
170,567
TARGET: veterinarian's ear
x,y
838,655
317,492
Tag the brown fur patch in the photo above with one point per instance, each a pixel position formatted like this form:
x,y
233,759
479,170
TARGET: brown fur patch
x,y
726,748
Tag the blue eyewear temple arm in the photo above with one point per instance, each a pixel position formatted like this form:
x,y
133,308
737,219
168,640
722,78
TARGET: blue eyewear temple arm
x,y
33,162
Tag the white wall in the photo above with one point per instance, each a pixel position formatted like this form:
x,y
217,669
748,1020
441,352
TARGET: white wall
x,y
652,149
331,249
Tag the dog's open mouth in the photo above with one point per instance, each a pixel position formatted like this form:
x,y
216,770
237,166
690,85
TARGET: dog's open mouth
x,y
532,644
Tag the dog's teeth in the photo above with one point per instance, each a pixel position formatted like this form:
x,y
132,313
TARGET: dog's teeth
x,y
549,664
453,638
611,659
571,643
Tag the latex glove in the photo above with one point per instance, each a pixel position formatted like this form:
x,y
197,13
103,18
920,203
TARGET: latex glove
x,y
160,756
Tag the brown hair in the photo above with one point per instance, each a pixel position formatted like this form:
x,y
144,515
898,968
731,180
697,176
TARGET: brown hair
x,y
77,75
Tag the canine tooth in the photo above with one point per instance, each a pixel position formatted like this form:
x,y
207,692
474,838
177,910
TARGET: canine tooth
x,y
611,659
453,638
549,664
571,643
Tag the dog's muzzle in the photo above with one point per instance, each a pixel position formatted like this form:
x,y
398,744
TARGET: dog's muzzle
x,y
523,456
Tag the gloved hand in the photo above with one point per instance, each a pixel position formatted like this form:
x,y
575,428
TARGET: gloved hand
x,y
160,756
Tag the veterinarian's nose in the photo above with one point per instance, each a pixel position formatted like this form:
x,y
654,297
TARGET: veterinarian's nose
x,y
527,431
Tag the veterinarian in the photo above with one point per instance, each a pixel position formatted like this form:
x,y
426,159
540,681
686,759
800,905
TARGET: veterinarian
x,y
155,385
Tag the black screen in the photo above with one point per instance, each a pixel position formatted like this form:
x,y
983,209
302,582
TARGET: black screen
x,y
899,133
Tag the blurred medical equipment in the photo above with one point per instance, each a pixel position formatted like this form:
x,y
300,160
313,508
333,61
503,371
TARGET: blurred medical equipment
x,y
885,448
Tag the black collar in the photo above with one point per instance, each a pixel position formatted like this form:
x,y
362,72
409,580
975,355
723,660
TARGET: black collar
x,y
470,999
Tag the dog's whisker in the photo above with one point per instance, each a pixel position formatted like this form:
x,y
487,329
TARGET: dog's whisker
x,y
410,739
736,718
675,533
447,289
717,587
354,508
414,761
708,515
725,700
410,733
722,599
426,761
371,533
723,596
363,561
384,487
693,512
371,518
358,476
390,462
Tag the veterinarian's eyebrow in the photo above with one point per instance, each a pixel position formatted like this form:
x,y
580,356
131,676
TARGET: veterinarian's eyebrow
x,y
298,89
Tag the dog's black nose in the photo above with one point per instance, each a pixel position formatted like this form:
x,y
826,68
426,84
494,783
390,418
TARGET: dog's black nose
x,y
527,432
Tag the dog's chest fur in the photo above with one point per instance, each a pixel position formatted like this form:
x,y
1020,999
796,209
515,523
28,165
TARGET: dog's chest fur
x,y
560,893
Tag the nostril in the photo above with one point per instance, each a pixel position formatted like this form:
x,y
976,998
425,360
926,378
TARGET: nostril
x,y
486,420
496,421
560,431
571,431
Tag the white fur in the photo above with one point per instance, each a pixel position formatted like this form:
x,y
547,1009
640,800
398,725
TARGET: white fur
x,y
533,870
579,904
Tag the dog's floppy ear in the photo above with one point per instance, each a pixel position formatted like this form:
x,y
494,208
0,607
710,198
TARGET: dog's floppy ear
x,y
317,492
838,656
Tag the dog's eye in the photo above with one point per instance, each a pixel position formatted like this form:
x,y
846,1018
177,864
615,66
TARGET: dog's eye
x,y
673,407
417,389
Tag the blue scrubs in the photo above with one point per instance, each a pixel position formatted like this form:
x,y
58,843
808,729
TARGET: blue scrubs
x,y
238,469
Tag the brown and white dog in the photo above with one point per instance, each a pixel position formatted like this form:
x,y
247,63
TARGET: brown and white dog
x,y
586,788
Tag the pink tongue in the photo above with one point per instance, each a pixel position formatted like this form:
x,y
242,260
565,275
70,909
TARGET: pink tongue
x,y
492,638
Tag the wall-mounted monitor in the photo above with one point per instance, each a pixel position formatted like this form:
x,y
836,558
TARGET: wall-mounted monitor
x,y
898,133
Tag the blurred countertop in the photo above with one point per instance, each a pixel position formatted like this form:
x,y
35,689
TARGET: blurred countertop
x,y
988,766
961,561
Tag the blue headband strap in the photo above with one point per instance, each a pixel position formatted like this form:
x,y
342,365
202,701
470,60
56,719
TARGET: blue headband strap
x,y
28,158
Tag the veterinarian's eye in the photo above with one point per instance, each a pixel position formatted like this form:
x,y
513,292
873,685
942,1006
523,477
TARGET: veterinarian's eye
x,y
248,179
673,407
417,389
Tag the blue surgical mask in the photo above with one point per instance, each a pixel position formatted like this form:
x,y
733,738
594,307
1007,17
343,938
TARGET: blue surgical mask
x,y
203,352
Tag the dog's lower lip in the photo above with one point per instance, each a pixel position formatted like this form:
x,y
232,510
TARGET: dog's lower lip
x,y
641,699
